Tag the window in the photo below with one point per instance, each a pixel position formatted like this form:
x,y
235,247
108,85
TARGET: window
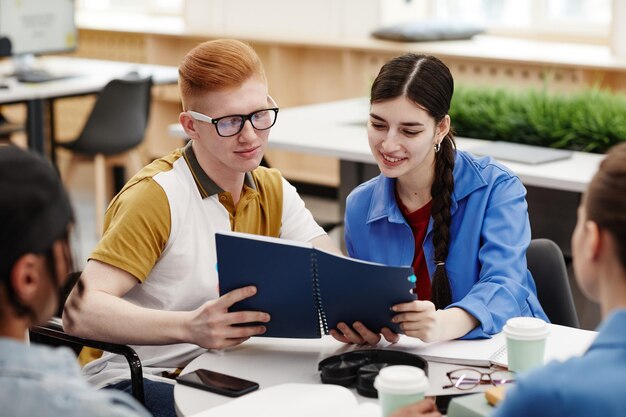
x,y
569,18
577,20
153,7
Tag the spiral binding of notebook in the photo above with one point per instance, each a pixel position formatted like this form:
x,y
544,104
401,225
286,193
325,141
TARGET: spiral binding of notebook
x,y
317,296
499,357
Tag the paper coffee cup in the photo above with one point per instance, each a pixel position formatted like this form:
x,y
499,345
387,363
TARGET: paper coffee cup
x,y
400,385
525,342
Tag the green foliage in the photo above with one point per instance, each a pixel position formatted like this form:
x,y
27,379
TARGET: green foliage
x,y
591,120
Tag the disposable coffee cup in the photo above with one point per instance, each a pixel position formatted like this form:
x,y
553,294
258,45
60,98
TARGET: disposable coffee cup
x,y
525,342
400,385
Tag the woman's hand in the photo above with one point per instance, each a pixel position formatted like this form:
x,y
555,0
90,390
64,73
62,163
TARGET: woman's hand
x,y
417,319
358,334
420,319
424,408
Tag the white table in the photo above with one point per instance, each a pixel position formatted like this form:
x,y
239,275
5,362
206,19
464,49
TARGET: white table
x,y
270,362
338,129
273,361
89,77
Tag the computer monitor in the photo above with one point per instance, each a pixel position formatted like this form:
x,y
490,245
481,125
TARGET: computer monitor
x,y
38,27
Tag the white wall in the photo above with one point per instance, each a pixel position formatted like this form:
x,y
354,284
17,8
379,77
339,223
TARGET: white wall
x,y
618,29
284,17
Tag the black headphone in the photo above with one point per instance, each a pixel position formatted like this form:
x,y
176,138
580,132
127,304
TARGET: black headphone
x,y
362,367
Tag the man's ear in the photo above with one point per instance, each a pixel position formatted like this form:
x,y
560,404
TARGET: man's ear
x,y
187,122
26,277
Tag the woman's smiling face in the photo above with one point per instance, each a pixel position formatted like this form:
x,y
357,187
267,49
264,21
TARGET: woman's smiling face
x,y
402,136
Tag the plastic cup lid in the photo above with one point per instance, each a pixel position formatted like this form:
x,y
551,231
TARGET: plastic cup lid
x,y
526,328
401,380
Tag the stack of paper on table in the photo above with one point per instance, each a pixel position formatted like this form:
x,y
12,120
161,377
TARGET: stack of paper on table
x,y
563,343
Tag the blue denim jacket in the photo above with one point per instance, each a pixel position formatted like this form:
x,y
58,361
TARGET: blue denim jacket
x,y
489,235
40,381
592,385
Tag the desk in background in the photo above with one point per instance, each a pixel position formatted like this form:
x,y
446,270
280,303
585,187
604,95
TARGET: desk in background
x,y
88,77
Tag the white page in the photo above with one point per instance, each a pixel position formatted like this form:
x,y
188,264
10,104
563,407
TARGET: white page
x,y
264,238
476,352
288,400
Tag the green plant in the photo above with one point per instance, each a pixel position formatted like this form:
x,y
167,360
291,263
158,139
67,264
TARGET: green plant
x,y
590,120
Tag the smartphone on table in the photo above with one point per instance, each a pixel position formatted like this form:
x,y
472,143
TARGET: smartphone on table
x,y
442,401
218,383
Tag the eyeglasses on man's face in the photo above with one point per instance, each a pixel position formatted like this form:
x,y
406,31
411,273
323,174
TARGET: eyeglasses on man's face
x,y
467,378
233,124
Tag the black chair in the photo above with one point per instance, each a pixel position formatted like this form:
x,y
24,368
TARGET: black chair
x,y
7,128
52,334
546,264
112,133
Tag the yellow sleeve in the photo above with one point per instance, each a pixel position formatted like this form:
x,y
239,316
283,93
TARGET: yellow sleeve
x,y
136,228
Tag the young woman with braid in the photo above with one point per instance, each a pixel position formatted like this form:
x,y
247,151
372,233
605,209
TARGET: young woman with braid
x,y
461,221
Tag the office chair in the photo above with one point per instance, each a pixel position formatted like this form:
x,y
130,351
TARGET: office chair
x,y
52,334
112,133
7,128
546,264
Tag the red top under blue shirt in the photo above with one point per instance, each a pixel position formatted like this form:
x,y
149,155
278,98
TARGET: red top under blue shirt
x,y
418,220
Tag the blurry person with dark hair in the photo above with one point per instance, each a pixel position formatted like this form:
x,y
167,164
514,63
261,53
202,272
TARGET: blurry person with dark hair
x,y
35,217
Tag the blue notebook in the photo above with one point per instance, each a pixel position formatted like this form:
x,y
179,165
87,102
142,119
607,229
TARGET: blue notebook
x,y
308,291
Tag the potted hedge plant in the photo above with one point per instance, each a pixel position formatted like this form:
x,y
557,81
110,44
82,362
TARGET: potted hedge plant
x,y
591,120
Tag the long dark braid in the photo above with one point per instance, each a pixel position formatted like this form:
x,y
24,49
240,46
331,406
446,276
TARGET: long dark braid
x,y
427,81
441,192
